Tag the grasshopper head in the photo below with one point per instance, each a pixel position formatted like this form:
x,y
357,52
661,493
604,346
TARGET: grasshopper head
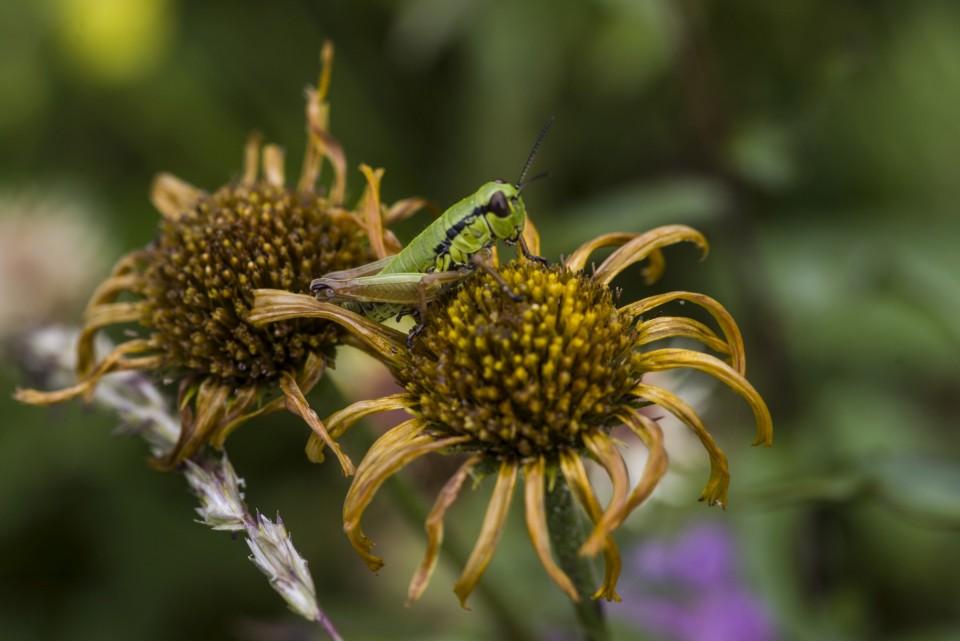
x,y
505,211
322,290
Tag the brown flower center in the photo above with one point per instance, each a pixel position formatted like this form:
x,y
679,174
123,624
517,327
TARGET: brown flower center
x,y
524,377
202,270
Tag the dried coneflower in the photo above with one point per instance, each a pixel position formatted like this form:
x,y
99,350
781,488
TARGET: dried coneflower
x,y
533,386
191,289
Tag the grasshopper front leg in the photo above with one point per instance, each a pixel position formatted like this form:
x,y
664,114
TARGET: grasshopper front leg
x,y
430,282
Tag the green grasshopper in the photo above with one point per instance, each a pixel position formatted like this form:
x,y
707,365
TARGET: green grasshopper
x,y
439,258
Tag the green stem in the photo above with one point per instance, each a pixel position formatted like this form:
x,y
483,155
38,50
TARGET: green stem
x,y
566,536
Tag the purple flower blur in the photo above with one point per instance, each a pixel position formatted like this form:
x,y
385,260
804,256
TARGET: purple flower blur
x,y
690,590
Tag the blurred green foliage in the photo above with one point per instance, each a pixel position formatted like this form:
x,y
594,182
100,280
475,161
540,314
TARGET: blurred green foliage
x,y
814,143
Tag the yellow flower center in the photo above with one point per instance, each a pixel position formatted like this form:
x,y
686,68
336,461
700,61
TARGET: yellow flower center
x,y
525,377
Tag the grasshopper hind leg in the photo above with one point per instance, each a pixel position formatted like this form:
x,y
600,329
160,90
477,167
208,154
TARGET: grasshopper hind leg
x,y
421,323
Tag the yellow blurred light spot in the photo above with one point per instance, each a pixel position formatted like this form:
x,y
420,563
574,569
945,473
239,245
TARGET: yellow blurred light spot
x,y
115,40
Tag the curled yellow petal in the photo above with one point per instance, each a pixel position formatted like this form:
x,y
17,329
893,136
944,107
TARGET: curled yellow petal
x,y
112,362
669,358
656,466
728,326
392,451
493,522
109,289
95,318
172,196
273,305
372,214
299,405
664,327
600,445
434,527
406,207
572,468
346,418
210,399
312,157
577,260
643,245
123,278
239,406
534,473
318,117
716,488
531,237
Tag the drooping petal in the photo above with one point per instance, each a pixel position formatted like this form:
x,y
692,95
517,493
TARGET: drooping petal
x,y
210,399
318,118
392,451
656,466
572,468
716,488
272,305
396,438
235,413
239,408
123,278
107,291
493,522
643,245
406,207
372,213
326,69
727,325
669,358
346,418
664,327
534,473
95,318
577,259
600,445
434,527
111,314
299,405
313,155
112,362
531,237
172,196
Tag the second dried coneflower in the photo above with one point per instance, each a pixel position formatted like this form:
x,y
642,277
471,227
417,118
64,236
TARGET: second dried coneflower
x,y
191,289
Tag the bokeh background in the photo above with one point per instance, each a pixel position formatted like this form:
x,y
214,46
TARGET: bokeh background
x,y
816,144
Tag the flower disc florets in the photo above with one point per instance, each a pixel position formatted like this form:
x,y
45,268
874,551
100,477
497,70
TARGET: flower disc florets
x,y
527,377
202,271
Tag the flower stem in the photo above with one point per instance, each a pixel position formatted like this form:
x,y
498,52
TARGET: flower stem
x,y
566,535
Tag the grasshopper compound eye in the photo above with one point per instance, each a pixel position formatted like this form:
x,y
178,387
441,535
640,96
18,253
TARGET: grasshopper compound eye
x,y
321,290
498,205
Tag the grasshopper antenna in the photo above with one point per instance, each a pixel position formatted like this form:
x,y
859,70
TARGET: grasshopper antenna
x,y
523,185
533,152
